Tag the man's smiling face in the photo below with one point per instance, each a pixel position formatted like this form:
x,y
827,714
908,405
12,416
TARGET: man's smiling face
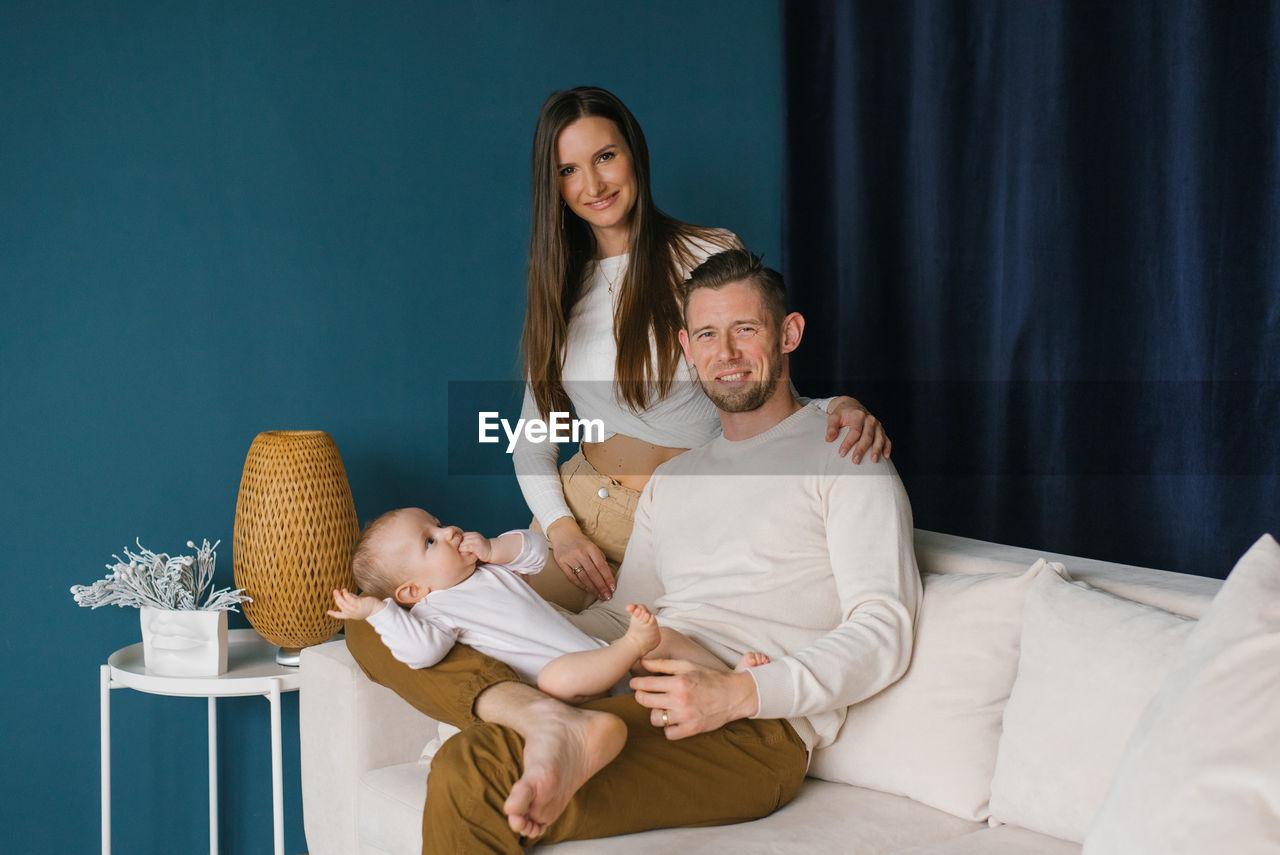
x,y
734,345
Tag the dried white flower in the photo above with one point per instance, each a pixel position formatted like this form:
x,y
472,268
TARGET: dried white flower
x,y
156,580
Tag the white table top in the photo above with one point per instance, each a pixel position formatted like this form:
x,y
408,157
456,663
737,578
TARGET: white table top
x,y
251,670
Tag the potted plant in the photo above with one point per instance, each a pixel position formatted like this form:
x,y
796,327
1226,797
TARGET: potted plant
x,y
181,635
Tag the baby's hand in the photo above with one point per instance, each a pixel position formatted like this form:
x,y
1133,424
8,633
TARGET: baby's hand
x,y
351,607
475,543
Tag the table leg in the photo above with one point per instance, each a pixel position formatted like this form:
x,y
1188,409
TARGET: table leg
x,y
104,724
213,776
277,770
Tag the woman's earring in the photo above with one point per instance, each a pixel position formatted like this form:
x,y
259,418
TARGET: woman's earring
x,y
562,216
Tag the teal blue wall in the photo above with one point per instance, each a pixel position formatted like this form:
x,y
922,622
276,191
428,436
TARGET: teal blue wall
x,y
218,218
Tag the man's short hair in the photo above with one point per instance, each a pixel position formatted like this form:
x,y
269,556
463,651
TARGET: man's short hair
x,y
739,265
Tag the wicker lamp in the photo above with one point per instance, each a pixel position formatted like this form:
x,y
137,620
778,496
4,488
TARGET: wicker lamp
x,y
295,527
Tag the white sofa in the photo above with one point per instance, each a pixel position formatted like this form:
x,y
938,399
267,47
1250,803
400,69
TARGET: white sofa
x,y
1004,736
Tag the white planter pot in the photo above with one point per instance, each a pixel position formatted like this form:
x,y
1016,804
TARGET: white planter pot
x,y
184,643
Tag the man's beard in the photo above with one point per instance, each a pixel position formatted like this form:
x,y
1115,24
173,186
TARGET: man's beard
x,y
744,397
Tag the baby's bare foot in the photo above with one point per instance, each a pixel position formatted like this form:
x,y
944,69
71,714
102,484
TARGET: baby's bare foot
x,y
643,631
564,746
751,659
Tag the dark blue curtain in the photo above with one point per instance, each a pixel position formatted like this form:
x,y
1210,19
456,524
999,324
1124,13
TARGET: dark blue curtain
x,y
1041,240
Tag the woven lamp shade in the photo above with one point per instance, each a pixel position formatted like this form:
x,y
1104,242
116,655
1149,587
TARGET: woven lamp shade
x,y
295,528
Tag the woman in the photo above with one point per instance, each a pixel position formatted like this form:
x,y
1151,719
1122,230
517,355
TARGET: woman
x,y
600,336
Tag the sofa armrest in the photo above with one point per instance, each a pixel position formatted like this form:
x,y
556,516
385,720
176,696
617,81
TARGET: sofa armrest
x,y
349,725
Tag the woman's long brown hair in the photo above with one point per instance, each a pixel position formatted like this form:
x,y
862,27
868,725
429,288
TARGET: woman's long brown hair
x,y
561,245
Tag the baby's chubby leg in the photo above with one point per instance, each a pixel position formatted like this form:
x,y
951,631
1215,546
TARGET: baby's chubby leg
x,y
676,645
643,634
576,677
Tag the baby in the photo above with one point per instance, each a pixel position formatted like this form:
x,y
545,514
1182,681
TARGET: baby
x,y
460,586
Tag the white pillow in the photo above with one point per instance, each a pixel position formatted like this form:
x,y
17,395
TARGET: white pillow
x,y
932,736
1090,663
1202,770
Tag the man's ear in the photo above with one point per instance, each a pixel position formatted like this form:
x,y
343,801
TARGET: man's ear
x,y
792,331
684,344
408,594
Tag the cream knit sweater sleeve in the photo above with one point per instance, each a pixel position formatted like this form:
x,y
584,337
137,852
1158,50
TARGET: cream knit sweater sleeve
x,y
869,539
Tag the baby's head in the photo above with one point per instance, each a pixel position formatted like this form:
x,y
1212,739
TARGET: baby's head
x,y
406,554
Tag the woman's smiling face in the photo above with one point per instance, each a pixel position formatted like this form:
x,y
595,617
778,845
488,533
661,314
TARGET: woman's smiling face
x,y
598,180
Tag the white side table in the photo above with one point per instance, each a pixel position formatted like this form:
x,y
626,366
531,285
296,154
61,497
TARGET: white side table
x,y
251,670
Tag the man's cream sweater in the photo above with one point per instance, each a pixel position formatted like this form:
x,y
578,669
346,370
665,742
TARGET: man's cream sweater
x,y
778,545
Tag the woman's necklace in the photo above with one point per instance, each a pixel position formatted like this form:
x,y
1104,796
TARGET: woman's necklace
x,y
612,281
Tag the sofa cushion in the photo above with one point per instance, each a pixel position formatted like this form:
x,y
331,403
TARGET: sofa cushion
x,y
1201,772
932,736
1090,663
1005,840
824,817
389,809
348,725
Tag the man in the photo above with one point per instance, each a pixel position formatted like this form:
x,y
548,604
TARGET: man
x,y
763,539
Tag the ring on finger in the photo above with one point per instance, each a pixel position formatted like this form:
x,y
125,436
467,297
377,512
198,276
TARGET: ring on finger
x,y
666,720
577,571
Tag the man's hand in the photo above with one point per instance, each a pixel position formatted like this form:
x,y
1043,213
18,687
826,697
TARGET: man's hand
x,y
695,699
351,607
